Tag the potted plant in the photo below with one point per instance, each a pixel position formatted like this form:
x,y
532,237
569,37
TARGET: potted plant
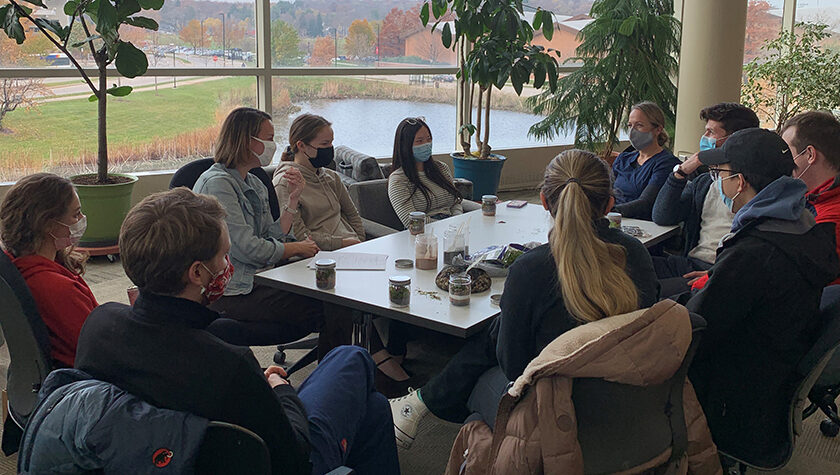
x,y
105,197
493,42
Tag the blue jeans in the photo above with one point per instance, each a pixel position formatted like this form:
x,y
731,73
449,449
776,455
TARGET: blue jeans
x,y
349,422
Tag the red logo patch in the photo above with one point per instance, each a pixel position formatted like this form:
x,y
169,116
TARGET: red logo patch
x,y
344,445
162,457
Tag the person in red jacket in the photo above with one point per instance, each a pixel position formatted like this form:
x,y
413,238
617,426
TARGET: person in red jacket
x,y
42,221
814,140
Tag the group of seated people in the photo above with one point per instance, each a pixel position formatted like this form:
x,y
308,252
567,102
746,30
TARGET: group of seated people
x,y
758,211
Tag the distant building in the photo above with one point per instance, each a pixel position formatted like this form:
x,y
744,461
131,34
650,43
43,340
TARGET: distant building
x,y
426,44
54,11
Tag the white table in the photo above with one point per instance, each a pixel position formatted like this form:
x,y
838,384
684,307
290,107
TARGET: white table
x,y
367,291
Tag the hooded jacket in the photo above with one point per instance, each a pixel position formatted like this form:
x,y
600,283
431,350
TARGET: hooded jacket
x,y
82,424
536,427
761,303
64,301
826,200
326,213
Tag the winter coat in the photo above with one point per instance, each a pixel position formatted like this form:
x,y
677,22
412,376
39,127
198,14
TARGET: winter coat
x,y
536,428
826,201
82,424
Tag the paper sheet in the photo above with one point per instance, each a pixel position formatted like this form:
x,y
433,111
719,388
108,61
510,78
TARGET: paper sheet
x,y
352,260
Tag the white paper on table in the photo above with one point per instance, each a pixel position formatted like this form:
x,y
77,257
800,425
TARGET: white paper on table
x,y
352,260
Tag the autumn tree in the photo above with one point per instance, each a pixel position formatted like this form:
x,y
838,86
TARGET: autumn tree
x,y
194,34
761,28
213,31
285,43
360,39
16,92
323,52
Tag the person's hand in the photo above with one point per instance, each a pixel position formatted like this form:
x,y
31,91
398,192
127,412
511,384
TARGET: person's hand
x,y
694,276
691,164
275,380
275,376
274,369
349,242
295,183
305,249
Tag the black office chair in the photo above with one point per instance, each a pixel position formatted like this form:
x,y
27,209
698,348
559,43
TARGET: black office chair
x,y
229,448
827,388
29,351
809,369
187,176
622,426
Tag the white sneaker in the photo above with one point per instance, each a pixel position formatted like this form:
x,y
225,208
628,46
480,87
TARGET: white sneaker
x,y
407,412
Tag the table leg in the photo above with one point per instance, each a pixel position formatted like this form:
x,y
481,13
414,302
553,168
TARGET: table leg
x,y
362,326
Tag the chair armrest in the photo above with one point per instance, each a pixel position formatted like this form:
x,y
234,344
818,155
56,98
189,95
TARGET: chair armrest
x,y
374,230
470,205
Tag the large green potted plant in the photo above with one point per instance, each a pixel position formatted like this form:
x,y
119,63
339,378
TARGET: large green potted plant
x,y
493,42
628,53
798,74
106,198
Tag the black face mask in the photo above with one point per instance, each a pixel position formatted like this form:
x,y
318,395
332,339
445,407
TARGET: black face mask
x,y
322,158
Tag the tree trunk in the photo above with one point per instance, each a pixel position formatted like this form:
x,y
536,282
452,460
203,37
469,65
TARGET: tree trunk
x,y
102,151
479,145
485,149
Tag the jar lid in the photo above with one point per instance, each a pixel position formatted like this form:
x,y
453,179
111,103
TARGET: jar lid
x,y
400,279
328,263
404,263
417,214
489,197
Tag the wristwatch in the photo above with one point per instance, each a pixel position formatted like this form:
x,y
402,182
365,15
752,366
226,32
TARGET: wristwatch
x,y
678,171
286,207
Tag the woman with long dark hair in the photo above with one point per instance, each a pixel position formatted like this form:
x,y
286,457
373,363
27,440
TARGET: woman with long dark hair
x,y
42,222
417,181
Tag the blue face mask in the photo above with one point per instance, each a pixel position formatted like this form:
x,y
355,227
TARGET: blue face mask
x,y
422,153
707,143
727,201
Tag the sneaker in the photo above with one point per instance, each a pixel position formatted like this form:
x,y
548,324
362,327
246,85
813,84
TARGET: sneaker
x,y
407,412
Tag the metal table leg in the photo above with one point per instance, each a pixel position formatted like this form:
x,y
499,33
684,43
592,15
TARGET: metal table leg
x,y
362,327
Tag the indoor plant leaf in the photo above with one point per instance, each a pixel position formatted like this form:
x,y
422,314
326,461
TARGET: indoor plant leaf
x,y
130,61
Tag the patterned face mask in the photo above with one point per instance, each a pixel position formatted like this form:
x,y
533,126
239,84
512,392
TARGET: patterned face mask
x,y
216,288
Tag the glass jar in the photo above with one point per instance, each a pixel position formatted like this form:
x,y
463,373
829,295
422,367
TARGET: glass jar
x,y
416,222
459,289
425,251
453,244
399,290
325,274
488,205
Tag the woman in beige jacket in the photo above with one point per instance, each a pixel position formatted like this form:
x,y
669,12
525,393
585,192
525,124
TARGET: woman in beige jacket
x,y
325,213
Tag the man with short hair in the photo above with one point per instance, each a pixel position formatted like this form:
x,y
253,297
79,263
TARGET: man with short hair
x,y
762,297
174,246
683,200
814,140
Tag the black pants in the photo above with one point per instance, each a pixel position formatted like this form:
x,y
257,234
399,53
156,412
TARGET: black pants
x,y
447,393
268,316
670,271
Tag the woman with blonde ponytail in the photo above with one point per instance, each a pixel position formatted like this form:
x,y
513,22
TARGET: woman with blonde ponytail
x,y
586,272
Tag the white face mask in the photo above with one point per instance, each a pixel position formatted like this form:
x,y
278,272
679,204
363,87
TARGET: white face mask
x,y
268,151
77,230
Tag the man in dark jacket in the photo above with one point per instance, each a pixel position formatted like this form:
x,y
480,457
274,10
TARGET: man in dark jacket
x,y
174,247
689,201
762,297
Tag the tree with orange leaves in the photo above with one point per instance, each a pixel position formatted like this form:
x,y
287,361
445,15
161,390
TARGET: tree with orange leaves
x,y
761,28
323,52
360,39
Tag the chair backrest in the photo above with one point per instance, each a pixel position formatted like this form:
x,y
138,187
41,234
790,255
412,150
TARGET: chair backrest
x,y
229,449
28,340
622,426
188,174
830,305
371,199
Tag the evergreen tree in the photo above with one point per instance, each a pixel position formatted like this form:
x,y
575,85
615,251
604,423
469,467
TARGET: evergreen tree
x,y
628,54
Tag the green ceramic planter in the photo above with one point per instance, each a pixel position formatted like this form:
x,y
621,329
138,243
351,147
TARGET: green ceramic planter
x,y
105,207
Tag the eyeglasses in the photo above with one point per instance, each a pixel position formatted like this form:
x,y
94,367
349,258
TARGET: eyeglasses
x,y
715,173
415,120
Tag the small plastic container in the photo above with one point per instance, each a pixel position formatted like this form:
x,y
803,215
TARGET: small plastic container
x,y
325,274
399,290
426,251
416,222
488,205
615,220
459,289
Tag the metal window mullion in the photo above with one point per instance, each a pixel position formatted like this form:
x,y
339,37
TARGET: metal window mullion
x,y
789,15
263,30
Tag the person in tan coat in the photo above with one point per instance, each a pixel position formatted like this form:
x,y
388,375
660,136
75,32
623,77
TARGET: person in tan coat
x,y
536,429
324,211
